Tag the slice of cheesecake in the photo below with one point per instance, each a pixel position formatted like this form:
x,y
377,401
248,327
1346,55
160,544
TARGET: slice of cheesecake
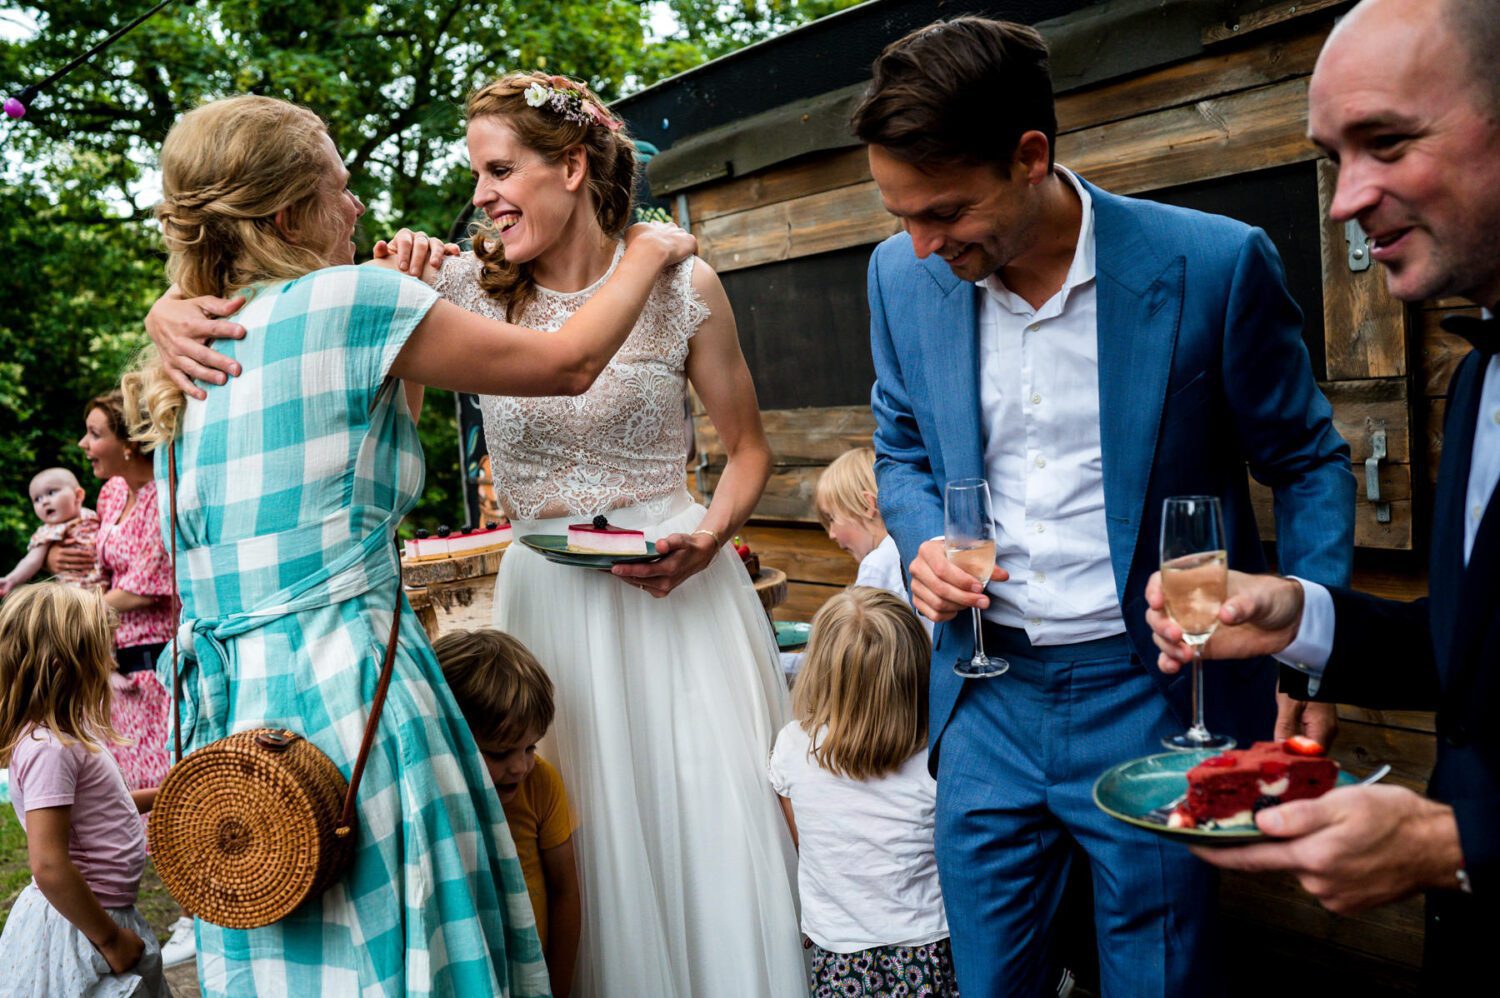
x,y
601,538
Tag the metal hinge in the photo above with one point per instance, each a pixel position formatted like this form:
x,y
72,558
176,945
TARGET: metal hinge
x,y
1359,246
1372,473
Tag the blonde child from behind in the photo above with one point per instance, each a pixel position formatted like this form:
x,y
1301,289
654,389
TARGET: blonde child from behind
x,y
506,697
58,500
74,930
851,772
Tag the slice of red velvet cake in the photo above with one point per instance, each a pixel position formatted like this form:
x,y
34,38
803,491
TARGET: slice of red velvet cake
x,y
1226,790
601,538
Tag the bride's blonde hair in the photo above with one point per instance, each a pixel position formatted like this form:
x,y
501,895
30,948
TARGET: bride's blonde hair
x,y
228,167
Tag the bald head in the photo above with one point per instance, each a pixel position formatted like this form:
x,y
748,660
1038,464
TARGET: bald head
x,y
60,478
1404,103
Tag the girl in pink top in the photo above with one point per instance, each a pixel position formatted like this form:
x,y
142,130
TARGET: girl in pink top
x,y
74,930
138,581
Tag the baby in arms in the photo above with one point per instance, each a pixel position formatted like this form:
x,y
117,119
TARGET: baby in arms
x,y
58,500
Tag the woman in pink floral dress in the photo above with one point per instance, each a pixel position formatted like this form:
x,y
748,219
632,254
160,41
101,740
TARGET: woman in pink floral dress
x,y
138,582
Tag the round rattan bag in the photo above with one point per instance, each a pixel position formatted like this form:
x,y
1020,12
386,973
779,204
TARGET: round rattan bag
x,y
248,828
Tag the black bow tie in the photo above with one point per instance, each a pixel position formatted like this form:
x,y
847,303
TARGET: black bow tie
x,y
1483,334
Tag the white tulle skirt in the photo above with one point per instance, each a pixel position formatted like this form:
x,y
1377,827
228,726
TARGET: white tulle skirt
x,y
666,711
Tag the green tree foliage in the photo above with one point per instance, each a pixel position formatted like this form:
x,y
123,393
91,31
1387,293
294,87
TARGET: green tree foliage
x,y
84,260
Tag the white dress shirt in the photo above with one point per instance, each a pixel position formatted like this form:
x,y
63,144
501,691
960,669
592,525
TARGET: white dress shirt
x,y
1039,406
1314,643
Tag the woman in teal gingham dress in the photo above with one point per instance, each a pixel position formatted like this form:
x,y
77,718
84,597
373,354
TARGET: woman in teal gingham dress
x,y
292,479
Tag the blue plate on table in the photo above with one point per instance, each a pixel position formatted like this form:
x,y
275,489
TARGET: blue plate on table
x,y
791,634
1138,792
554,547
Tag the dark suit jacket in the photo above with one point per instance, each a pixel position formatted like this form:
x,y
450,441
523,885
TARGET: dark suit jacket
x,y
1201,371
1440,653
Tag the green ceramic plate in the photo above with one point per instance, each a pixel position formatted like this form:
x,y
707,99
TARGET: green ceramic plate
x,y
1132,791
554,547
791,634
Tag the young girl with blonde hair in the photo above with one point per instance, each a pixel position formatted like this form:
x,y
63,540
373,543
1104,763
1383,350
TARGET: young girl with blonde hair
x,y
851,773
74,929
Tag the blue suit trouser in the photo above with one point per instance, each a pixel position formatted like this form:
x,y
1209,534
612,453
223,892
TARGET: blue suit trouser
x,y
1016,768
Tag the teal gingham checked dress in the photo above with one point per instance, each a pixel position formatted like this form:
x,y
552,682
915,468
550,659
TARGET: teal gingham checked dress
x,y
292,479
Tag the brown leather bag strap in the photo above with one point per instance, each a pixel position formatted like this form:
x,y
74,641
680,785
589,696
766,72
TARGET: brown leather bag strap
x,y
176,603
346,817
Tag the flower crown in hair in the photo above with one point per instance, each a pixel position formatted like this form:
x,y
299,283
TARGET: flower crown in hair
x,y
565,99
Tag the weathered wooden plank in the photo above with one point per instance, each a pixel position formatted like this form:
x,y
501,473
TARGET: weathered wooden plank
x,y
1411,720
805,554
803,600
1361,747
1250,130
1210,76
1359,407
810,175
801,436
1441,351
818,223
1393,575
1391,932
1437,412
1266,17
1365,328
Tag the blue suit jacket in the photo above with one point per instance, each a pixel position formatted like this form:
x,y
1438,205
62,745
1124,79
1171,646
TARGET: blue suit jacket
x,y
1201,371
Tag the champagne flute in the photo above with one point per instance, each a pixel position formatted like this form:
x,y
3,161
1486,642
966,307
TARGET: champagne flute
x,y
1195,582
969,540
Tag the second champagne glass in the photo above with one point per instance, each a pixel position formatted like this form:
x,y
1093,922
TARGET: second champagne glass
x,y
1195,582
969,540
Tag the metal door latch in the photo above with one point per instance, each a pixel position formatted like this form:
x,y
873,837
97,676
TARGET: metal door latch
x,y
1359,246
1372,474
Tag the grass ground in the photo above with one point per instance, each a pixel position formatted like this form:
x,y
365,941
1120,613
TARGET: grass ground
x,y
155,904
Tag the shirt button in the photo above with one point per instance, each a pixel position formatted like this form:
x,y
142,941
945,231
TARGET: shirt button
x,y
1497,416
1041,462
1040,577
1478,511
1034,328
1041,528
1037,400
1034,621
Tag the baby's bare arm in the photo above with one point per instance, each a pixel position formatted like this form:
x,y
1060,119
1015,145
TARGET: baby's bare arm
x,y
25,569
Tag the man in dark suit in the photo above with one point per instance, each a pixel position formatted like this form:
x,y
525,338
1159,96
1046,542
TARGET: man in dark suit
x,y
1406,100
1087,355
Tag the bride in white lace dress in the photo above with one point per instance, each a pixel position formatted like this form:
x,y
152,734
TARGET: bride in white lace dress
x,y
668,687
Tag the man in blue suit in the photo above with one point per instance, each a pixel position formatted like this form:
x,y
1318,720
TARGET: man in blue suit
x,y
1089,355
1406,100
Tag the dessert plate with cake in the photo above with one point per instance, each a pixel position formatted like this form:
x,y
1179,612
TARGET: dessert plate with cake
x,y
598,544
1210,798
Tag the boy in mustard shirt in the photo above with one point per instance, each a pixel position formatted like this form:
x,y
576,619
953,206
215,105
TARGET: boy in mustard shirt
x,y
507,700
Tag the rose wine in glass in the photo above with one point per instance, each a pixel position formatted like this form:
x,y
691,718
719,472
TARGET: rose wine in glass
x,y
1195,582
969,540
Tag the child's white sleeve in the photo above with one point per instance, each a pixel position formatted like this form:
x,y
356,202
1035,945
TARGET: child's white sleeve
x,y
776,768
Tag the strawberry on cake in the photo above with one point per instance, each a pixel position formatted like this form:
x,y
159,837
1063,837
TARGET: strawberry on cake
x,y
1225,791
600,537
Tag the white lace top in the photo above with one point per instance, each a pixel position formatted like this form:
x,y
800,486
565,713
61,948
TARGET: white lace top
x,y
621,443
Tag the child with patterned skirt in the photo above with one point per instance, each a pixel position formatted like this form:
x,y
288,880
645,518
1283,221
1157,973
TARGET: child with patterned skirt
x,y
507,699
851,773
74,930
